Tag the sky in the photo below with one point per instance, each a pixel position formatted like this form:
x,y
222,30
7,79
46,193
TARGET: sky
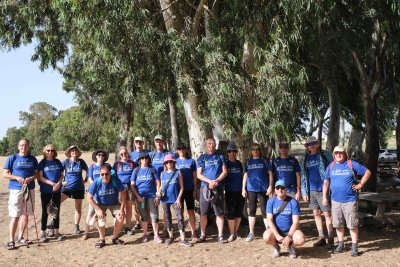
x,y
22,84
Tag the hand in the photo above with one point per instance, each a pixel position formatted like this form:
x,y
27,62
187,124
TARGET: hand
x,y
139,199
279,238
156,201
28,180
356,187
244,193
269,191
100,213
21,180
297,196
305,198
121,214
212,184
325,201
56,186
64,183
286,241
84,181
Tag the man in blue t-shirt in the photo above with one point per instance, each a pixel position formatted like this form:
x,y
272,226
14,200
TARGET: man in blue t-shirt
x,y
138,142
283,214
157,156
107,190
22,170
312,178
287,168
340,179
211,171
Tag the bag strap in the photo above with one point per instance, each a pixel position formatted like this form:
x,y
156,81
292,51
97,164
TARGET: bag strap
x,y
283,206
169,180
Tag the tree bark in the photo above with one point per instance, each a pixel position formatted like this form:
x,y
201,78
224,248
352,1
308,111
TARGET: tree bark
x,y
398,129
333,134
356,139
174,123
341,132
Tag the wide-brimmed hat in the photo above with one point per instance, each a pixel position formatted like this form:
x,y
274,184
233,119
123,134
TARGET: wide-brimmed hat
x,y
68,151
311,139
94,154
143,155
210,195
167,158
338,149
181,146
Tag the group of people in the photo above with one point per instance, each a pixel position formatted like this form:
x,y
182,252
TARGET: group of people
x,y
139,182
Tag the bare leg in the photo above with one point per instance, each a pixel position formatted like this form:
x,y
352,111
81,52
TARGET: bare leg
x,y
203,224
128,214
237,224
220,225
13,227
354,235
192,222
231,226
252,222
78,210
22,225
340,233
118,222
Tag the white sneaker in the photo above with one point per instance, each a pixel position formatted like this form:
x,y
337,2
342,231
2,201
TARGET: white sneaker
x,y
292,252
276,251
250,237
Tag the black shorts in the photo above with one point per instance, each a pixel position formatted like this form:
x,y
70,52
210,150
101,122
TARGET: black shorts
x,y
217,206
234,204
74,194
187,197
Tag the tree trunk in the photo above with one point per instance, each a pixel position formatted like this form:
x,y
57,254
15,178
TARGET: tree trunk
x,y
321,127
174,123
398,130
356,139
341,132
311,128
243,143
333,134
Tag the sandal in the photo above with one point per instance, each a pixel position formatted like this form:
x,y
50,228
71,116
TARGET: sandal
x,y
100,243
221,240
10,245
85,236
201,239
117,241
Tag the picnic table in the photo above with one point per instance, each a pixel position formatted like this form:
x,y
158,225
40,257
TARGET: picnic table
x,y
382,200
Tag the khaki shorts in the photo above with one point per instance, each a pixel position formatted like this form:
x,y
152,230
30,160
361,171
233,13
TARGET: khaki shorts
x,y
17,206
345,211
102,222
316,202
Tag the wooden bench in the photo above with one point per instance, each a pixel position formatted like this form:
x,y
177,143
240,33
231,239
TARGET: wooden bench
x,y
382,200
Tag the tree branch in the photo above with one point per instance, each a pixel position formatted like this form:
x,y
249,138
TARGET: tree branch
x,y
197,17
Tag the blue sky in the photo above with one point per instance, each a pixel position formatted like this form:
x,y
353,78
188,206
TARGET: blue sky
x,y
22,84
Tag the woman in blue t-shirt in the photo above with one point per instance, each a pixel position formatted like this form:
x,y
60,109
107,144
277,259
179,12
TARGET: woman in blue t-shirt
x,y
170,194
233,191
144,184
50,182
100,157
124,168
257,185
74,183
187,168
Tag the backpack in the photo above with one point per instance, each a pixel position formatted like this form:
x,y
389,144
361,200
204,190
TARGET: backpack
x,y
350,164
151,172
153,154
203,164
131,163
112,181
324,159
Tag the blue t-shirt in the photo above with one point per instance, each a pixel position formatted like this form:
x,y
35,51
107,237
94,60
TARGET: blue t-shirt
x,y
94,172
106,194
172,192
234,179
145,181
157,159
73,174
341,180
286,170
211,166
187,167
312,169
257,171
52,170
134,155
283,221
22,166
124,170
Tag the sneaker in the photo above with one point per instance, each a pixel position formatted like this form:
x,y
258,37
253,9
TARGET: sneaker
x,y
221,240
76,230
145,239
136,227
23,241
169,240
331,243
50,232
129,231
292,252
250,237
231,238
354,250
276,251
158,239
43,239
185,243
58,237
340,248
321,242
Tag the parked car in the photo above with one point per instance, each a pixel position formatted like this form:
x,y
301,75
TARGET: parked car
x,y
388,156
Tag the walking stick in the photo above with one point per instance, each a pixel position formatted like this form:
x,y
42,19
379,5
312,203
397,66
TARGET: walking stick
x,y
34,218
26,224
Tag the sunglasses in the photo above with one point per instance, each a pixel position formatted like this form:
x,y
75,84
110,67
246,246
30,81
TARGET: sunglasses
x,y
232,151
169,162
311,144
284,147
101,155
104,174
50,150
280,187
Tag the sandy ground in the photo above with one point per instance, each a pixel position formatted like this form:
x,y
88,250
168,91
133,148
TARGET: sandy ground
x,y
378,245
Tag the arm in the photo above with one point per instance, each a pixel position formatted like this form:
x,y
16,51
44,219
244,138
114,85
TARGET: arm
x,y
135,192
158,186
245,178
121,213
298,194
223,174
47,181
99,212
363,181
271,224
325,189
271,182
178,200
295,225
194,174
201,177
7,174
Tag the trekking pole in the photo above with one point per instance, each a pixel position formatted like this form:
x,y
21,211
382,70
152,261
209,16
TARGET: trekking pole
x,y
34,218
26,225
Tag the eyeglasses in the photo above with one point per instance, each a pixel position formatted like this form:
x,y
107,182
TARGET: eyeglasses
x,y
169,162
280,187
50,150
104,174
311,144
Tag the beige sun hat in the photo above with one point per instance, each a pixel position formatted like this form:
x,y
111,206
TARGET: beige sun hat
x,y
68,152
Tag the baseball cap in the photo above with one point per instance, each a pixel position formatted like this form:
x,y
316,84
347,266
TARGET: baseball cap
x,y
280,183
158,137
338,149
311,139
138,138
231,147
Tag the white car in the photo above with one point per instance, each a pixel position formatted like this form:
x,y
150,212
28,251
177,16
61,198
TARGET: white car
x,y
388,156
